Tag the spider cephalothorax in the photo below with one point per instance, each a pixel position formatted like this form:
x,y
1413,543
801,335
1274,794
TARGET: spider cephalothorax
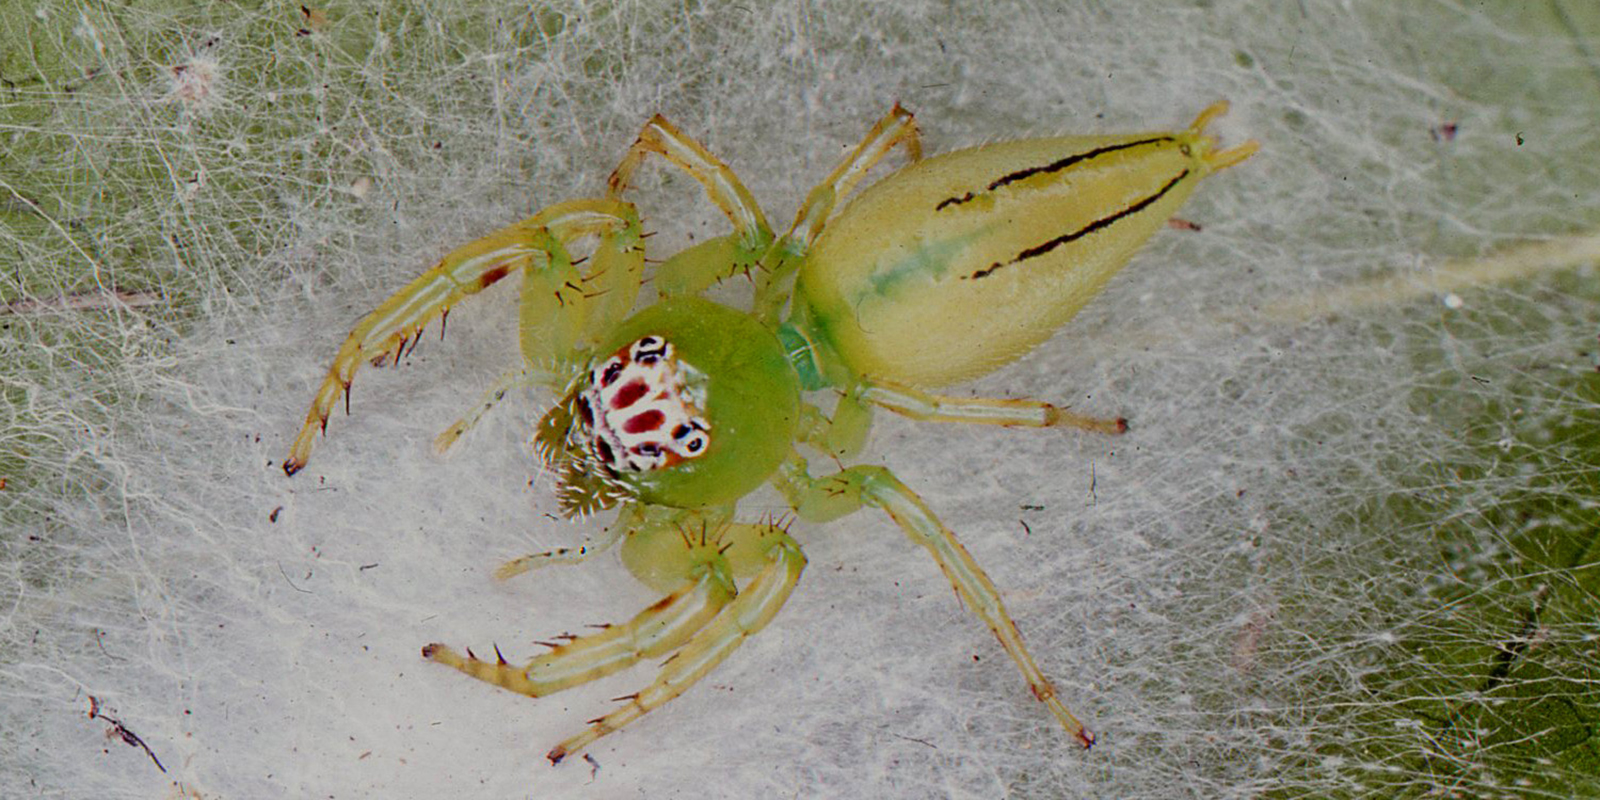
x,y
941,272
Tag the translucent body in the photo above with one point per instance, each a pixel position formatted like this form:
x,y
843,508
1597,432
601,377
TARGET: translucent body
x,y
943,270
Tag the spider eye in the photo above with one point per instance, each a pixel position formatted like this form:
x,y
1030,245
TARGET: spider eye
x,y
649,350
612,370
696,444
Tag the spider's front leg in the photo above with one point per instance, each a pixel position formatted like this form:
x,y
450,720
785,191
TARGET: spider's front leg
x,y
695,556
536,246
655,631
823,499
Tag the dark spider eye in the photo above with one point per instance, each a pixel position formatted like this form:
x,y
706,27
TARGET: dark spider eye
x,y
694,445
681,431
647,450
610,375
649,350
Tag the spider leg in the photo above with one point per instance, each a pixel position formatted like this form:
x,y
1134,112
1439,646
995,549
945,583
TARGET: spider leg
x,y
897,127
560,555
839,435
704,618
629,519
844,492
383,334
700,266
916,404
740,619
511,379
655,631
723,187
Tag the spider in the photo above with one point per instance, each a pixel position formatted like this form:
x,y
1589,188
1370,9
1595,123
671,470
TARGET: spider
x,y
943,271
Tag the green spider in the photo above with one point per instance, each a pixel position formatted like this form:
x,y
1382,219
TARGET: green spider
x,y
947,269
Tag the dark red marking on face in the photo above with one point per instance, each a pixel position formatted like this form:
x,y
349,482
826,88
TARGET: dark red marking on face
x,y
629,394
643,423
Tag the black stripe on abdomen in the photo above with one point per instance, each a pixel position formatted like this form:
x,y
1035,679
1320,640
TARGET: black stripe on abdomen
x,y
1054,166
1099,224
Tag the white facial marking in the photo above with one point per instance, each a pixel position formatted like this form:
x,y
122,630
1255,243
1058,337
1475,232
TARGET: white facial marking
x,y
636,414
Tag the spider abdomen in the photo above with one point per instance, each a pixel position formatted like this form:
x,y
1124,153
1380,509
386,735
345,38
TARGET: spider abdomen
x,y
961,263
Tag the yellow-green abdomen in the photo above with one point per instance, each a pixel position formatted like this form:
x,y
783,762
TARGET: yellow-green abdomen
x,y
961,263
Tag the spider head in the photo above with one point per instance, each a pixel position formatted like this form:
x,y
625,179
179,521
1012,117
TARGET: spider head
x,y
693,404
637,412
627,414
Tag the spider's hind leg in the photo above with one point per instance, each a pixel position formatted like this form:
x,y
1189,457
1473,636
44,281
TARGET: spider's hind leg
x,y
920,405
831,497
898,127
843,433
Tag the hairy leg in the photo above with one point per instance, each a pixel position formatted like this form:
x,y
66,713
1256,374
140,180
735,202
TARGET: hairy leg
x,y
836,495
383,335
738,621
